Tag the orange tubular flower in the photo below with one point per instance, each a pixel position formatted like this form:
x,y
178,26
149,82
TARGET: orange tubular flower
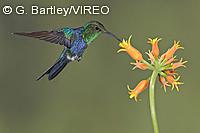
x,y
179,64
155,49
163,82
169,54
170,72
139,65
138,89
170,60
174,82
133,52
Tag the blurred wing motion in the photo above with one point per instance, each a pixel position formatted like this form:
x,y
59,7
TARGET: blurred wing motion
x,y
61,37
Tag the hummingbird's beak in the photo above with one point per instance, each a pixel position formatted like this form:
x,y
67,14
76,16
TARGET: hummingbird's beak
x,y
113,35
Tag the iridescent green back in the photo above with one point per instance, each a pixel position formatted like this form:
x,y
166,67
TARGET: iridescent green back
x,y
68,32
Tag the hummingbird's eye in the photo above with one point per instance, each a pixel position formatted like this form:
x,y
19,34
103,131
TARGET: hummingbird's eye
x,y
97,28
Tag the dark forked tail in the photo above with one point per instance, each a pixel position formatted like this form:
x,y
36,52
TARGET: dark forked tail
x,y
55,69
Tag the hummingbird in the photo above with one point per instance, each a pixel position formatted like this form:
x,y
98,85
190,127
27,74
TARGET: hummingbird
x,y
74,41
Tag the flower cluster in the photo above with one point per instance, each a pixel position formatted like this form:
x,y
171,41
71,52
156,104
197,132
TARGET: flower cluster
x,y
165,65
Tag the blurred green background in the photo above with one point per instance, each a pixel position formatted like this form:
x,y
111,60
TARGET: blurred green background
x,y
91,96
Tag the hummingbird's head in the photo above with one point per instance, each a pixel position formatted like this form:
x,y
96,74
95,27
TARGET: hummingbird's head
x,y
93,29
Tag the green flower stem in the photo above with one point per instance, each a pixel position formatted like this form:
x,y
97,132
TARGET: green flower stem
x,y
152,101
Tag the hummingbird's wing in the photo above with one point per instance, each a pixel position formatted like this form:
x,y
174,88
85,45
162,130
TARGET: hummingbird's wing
x,y
61,36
